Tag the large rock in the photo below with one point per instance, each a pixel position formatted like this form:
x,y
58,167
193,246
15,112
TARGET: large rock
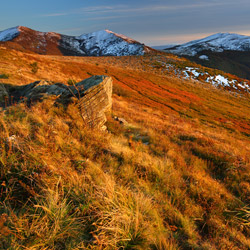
x,y
93,95
96,100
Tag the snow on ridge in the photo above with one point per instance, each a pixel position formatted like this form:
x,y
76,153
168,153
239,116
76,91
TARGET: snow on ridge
x,y
211,38
9,34
217,43
128,39
102,34
106,42
201,76
215,80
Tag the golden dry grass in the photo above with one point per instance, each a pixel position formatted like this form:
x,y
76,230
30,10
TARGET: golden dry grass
x,y
177,177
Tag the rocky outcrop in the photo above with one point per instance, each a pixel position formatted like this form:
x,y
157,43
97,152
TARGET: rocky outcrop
x,y
93,96
96,101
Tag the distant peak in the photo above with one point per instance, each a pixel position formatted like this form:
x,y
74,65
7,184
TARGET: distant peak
x,y
225,34
222,33
20,27
105,32
126,38
218,42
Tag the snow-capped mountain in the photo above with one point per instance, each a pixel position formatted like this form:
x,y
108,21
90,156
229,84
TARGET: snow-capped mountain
x,y
216,43
225,51
100,43
106,42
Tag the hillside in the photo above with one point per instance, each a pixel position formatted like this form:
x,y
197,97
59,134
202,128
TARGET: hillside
x,y
225,51
100,43
175,175
234,62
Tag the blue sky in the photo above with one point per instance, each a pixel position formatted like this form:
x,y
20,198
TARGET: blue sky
x,y
153,22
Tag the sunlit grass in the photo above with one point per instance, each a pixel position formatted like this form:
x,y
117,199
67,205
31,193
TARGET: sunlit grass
x,y
176,177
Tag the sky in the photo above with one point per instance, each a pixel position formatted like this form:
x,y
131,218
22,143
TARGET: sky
x,y
153,22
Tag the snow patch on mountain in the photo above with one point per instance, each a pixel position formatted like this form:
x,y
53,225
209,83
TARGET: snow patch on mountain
x,y
216,80
222,80
199,75
216,43
193,71
204,57
9,34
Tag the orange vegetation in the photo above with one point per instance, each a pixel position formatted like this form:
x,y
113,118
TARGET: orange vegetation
x,y
176,177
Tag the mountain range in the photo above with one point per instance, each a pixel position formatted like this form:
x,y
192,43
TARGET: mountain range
x,y
217,43
210,52
225,51
100,43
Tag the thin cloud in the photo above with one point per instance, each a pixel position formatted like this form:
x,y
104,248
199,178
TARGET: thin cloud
x,y
100,8
152,8
105,18
127,9
90,10
55,14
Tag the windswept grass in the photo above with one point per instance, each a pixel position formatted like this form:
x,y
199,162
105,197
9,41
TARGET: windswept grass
x,y
65,186
175,177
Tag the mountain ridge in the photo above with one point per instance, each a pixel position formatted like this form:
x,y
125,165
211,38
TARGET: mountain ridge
x,y
218,42
228,52
99,43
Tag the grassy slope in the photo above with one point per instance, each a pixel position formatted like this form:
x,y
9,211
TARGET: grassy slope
x,y
176,178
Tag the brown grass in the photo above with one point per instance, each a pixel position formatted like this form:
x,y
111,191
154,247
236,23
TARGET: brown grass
x,y
177,177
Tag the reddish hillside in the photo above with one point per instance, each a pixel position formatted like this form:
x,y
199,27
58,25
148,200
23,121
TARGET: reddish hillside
x,y
30,40
100,43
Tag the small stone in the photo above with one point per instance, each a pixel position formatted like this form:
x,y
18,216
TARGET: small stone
x,y
123,121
